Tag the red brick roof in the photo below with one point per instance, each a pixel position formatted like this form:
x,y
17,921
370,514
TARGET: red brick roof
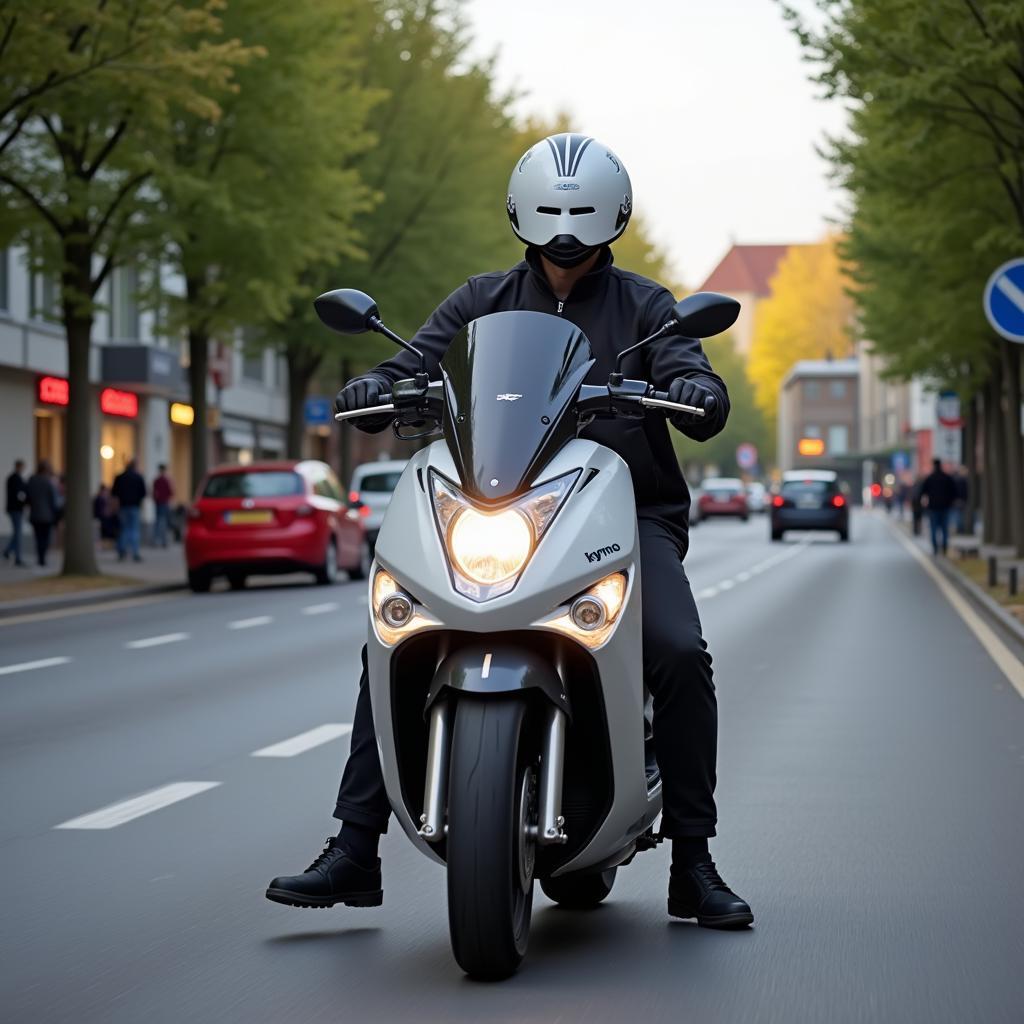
x,y
745,268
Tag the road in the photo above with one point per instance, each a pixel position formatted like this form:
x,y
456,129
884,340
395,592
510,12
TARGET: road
x,y
871,790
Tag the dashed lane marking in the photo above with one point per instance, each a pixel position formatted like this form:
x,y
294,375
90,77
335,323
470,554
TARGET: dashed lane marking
x,y
1008,664
137,806
256,620
320,609
305,740
156,641
29,666
748,574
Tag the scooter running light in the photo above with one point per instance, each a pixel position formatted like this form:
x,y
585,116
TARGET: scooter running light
x,y
395,614
592,615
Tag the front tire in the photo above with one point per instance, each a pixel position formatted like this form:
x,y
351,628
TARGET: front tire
x,y
328,572
199,581
492,800
776,535
579,892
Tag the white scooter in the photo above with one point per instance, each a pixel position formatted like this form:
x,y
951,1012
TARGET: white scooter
x,y
504,646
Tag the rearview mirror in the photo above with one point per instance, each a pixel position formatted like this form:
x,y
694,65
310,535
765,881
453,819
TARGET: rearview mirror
x,y
346,310
704,314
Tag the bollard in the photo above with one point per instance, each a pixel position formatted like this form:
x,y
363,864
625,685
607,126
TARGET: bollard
x,y
993,571
1012,583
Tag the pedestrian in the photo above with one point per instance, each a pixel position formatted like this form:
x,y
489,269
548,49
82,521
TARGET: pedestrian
x,y
129,489
939,492
163,491
17,498
103,513
574,276
43,507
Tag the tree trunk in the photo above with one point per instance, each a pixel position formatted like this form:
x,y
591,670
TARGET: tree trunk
x,y
79,545
970,516
302,364
1014,457
198,371
997,525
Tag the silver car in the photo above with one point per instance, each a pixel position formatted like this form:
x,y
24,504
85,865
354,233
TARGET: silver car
x,y
372,485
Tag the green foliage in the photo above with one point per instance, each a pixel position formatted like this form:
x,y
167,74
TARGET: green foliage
x,y
934,163
746,421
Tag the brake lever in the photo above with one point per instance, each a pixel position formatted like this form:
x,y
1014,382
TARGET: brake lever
x,y
661,403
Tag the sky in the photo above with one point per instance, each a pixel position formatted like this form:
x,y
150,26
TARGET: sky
x,y
706,101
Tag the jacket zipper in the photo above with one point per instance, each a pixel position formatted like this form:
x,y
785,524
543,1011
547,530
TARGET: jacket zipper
x,y
561,306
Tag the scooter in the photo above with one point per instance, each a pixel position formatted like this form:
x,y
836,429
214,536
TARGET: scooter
x,y
504,643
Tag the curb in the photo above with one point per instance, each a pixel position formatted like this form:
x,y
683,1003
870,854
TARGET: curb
x,y
1000,619
9,609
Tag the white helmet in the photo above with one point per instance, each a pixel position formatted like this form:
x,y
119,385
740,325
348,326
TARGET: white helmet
x,y
568,195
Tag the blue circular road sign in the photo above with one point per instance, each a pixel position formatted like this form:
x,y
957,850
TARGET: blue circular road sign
x,y
1004,300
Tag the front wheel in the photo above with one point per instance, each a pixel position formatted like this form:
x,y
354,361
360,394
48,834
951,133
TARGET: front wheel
x,y
579,892
199,581
492,815
328,572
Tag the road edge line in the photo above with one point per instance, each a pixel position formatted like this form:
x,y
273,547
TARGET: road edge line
x,y
1006,661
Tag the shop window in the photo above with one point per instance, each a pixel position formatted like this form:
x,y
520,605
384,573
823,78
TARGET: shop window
x,y
838,439
50,437
118,441
253,363
837,389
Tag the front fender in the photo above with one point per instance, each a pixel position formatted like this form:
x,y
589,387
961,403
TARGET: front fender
x,y
484,668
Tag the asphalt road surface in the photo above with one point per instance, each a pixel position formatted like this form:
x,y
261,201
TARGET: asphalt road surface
x,y
871,793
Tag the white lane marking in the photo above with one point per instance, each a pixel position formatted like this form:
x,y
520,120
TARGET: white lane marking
x,y
485,672
1004,658
1011,291
155,641
256,620
89,609
741,577
137,806
305,740
707,592
320,609
29,666
726,585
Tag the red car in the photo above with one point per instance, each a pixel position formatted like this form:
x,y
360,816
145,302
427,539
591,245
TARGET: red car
x,y
723,496
273,517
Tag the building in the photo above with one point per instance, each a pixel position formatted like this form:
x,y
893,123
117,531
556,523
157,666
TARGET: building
x,y
819,421
745,273
138,379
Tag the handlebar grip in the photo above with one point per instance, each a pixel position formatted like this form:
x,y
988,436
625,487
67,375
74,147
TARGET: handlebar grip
x,y
661,396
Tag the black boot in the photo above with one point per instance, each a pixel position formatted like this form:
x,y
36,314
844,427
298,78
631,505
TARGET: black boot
x,y
697,890
334,877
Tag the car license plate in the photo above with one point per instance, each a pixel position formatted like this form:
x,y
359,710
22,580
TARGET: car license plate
x,y
809,501
249,518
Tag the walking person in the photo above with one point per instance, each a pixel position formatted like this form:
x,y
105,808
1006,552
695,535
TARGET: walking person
x,y
163,492
43,507
17,498
940,492
130,490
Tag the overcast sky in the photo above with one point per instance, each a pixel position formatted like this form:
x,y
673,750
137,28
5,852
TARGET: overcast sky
x,y
706,101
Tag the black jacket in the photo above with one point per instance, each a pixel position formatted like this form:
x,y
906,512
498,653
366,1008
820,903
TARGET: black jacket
x,y
614,308
43,499
940,490
16,495
129,489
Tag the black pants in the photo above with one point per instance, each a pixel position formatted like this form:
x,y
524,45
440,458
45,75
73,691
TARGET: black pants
x,y
42,532
677,670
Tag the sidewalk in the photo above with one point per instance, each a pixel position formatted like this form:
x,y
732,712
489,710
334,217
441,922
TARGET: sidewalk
x,y
33,588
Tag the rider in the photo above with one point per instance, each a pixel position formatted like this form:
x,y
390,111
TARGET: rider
x,y
569,198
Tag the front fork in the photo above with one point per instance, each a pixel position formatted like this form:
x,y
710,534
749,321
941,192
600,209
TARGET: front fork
x,y
550,829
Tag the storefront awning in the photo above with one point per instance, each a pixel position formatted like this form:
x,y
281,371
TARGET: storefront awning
x,y
144,368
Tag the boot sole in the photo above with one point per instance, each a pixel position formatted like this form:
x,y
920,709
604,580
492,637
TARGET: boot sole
x,y
741,919
351,899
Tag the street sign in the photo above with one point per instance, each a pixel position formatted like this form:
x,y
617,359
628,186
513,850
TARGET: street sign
x,y
900,462
746,456
1004,301
949,424
318,411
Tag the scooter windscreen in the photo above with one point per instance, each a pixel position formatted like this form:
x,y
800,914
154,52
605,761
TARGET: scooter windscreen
x,y
510,382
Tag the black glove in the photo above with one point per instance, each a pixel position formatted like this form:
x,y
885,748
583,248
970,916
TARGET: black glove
x,y
361,393
689,392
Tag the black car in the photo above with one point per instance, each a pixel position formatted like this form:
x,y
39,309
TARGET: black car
x,y
810,499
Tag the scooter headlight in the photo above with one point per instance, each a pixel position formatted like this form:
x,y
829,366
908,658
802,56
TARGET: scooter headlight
x,y
487,550
491,547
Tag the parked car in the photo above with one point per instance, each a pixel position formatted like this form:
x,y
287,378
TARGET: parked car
x,y
273,517
757,497
371,488
810,499
722,496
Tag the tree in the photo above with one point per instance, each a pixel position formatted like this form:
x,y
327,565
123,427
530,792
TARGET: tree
x,y
76,178
256,196
807,316
934,164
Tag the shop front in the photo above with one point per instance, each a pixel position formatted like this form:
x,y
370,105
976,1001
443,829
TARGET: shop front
x,y
119,432
50,417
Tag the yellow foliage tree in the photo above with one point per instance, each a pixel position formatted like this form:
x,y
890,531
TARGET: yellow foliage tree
x,y
807,316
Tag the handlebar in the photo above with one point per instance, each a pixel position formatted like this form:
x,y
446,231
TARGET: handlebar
x,y
659,400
